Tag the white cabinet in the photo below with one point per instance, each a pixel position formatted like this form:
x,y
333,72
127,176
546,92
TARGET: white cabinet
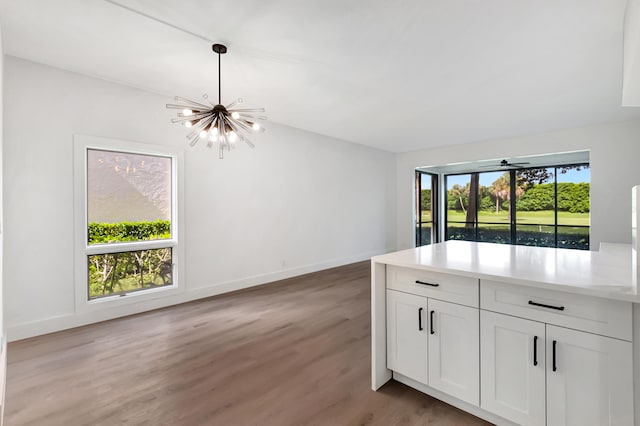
x,y
407,335
589,379
500,328
435,343
513,368
454,350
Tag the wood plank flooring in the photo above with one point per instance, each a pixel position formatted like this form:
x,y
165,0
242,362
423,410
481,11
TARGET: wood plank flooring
x,y
293,352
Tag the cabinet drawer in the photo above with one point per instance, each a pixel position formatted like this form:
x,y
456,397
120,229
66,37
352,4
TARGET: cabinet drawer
x,y
596,315
450,288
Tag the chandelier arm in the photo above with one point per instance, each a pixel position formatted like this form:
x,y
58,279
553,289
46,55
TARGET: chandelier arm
x,y
253,117
233,127
194,117
221,130
202,123
210,103
179,98
191,107
193,138
247,141
241,124
253,129
247,110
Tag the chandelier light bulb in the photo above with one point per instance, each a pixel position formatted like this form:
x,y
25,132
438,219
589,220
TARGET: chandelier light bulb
x,y
217,122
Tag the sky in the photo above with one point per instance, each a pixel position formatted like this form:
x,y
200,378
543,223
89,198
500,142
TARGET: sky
x,y
487,178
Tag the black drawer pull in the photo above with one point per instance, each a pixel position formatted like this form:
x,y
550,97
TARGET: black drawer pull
x,y
555,367
535,350
431,318
420,319
426,283
542,305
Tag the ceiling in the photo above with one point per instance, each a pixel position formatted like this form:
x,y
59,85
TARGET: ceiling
x,y
396,75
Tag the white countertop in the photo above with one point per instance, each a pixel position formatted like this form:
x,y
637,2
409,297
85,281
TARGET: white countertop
x,y
607,273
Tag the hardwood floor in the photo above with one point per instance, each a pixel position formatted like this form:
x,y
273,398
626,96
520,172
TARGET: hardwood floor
x,y
294,352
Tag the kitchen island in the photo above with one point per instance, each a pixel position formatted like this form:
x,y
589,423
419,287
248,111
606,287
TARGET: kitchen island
x,y
512,334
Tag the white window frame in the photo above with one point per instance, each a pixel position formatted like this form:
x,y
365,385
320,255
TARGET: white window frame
x,y
82,249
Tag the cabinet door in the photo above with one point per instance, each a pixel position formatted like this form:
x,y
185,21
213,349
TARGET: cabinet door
x,y
512,374
454,350
589,379
407,335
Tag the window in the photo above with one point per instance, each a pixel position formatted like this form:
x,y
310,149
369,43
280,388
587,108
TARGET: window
x,y
461,221
544,206
426,208
127,235
553,206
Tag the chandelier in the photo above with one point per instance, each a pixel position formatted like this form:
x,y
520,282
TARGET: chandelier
x,y
216,123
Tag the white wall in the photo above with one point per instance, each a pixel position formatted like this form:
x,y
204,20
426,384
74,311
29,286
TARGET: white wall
x,y
296,203
631,55
615,152
3,348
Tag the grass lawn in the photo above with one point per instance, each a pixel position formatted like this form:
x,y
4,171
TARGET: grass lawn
x,y
541,217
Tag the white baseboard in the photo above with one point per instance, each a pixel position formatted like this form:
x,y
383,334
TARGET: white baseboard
x,y
71,320
3,375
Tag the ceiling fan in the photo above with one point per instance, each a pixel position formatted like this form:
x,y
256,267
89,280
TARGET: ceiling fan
x,y
506,164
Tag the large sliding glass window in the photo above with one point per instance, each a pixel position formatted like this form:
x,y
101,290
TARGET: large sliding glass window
x,y
426,208
573,216
494,207
546,206
461,220
535,207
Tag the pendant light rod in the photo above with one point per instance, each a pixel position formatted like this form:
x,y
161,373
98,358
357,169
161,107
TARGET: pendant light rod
x,y
220,49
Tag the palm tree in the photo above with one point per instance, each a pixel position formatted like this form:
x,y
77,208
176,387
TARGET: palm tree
x,y
501,190
458,191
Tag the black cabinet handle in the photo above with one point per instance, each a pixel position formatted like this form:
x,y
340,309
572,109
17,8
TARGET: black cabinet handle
x,y
535,350
555,367
431,320
420,319
542,305
426,283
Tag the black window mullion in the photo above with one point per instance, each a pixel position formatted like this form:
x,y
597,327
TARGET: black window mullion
x,y
418,209
446,210
555,205
433,233
435,210
512,204
474,176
